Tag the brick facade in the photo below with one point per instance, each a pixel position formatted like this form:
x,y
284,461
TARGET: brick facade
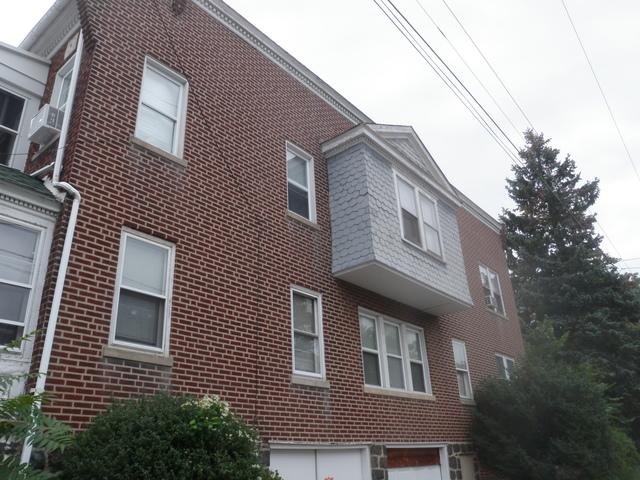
x,y
237,250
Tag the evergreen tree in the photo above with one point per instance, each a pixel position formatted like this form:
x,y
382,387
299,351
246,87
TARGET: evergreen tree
x,y
561,274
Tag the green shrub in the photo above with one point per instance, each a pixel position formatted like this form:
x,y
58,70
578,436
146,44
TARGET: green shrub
x,y
551,422
165,437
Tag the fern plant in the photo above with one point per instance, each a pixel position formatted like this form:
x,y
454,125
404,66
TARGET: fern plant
x,y
21,419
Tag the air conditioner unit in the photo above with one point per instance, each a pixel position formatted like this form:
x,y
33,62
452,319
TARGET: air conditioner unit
x,y
46,125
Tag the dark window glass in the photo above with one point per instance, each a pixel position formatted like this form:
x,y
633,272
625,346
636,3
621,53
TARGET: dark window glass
x,y
410,227
417,377
298,201
140,318
371,369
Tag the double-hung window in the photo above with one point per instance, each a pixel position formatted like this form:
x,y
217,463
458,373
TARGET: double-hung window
x,y
306,331
11,107
419,224
18,258
300,183
162,108
492,290
143,293
393,354
505,366
462,369
62,85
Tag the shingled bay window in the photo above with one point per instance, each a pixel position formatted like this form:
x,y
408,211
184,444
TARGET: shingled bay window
x,y
143,293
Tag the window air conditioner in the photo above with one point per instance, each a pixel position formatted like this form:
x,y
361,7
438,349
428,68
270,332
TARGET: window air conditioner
x,y
46,125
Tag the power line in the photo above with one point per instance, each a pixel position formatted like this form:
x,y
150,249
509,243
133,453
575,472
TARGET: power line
x,y
604,97
486,60
442,75
457,52
454,76
405,32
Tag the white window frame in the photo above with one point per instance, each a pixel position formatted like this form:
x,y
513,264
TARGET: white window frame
x,y
181,118
311,189
317,297
417,192
62,73
30,316
170,247
16,133
504,359
404,328
467,371
488,272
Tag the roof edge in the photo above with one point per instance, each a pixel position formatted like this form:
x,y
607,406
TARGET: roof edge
x,y
479,212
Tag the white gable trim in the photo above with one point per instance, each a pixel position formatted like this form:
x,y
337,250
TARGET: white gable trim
x,y
365,133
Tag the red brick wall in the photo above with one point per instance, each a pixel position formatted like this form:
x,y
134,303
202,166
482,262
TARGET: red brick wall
x,y
237,251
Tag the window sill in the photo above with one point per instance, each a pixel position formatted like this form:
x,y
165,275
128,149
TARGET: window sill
x,y
309,381
158,151
301,219
468,401
398,393
137,356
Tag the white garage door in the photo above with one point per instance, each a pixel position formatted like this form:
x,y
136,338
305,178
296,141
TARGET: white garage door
x,y
416,473
302,464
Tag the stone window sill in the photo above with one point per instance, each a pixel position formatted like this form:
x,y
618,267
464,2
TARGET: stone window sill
x,y
137,356
309,382
398,393
303,220
158,151
468,401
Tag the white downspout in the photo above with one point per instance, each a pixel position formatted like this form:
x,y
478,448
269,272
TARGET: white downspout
x,y
63,187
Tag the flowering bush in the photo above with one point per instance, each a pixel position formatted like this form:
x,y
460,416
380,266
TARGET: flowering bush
x,y
165,437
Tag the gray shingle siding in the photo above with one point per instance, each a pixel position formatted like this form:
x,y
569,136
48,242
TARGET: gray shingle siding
x,y
365,224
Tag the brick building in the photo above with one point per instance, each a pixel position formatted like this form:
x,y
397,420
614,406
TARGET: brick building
x,y
200,213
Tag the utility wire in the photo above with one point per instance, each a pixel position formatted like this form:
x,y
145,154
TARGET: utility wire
x,y
604,97
486,60
442,75
457,52
454,76
487,127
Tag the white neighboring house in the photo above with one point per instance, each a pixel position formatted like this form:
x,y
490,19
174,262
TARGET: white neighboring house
x,y
28,213
28,210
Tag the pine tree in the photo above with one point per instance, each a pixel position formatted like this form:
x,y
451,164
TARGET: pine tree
x,y
562,275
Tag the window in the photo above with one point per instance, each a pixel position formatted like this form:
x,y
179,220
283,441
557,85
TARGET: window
x,y
300,183
505,366
18,259
306,326
162,109
419,224
11,107
492,291
61,87
462,369
393,354
143,292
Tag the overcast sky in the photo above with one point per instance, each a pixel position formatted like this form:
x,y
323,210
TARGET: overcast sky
x,y
353,47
